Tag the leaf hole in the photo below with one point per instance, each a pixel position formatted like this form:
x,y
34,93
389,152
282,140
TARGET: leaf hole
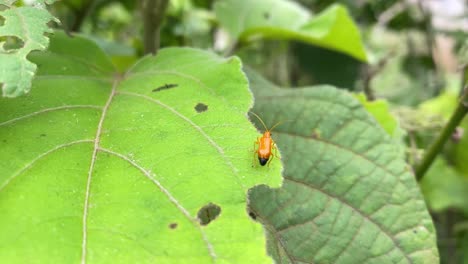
x,y
201,107
50,34
11,43
316,134
208,213
51,24
165,87
252,215
173,225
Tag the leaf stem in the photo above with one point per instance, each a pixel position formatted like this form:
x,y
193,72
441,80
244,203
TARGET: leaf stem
x,y
81,15
464,77
153,13
435,148
370,71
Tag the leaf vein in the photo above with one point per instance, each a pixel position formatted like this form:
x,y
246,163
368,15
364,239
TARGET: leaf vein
x,y
30,164
52,109
91,168
341,148
199,129
362,214
186,76
168,195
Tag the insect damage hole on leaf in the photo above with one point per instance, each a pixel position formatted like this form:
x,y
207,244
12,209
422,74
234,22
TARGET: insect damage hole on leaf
x,y
165,87
252,215
201,107
208,213
12,43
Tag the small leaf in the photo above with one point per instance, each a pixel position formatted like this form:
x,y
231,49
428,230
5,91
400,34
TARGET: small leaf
x,y
380,110
27,25
444,188
347,196
101,167
282,19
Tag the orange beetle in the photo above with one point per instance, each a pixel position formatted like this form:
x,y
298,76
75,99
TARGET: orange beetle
x,y
265,144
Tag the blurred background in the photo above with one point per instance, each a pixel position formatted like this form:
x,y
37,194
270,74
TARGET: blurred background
x,y
418,50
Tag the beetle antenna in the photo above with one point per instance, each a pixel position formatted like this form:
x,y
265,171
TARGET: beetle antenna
x,y
266,129
279,123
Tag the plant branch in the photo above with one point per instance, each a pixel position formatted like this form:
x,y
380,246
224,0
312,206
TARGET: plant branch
x,y
370,71
232,49
391,13
153,13
429,31
81,14
464,77
436,147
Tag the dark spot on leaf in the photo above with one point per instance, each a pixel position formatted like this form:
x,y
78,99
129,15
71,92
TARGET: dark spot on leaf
x,y
316,134
200,107
266,15
42,135
2,20
173,225
208,213
4,141
165,87
252,215
12,43
415,231
52,24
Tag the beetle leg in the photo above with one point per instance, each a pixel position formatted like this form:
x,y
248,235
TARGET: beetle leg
x,y
275,150
254,151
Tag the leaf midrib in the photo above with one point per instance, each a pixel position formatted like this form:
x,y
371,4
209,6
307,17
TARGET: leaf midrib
x,y
91,169
97,149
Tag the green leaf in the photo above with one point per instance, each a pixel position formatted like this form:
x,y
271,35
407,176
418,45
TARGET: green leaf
x,y
380,110
282,19
347,196
26,26
444,104
101,167
444,188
